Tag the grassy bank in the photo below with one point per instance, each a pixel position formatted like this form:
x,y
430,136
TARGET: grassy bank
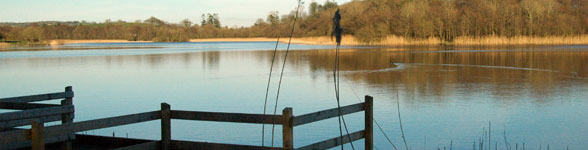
x,y
523,40
60,42
22,43
348,40
254,39
2,44
393,40
67,41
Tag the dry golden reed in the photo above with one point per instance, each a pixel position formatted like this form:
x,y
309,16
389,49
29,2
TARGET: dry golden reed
x,y
69,41
523,40
393,40
2,44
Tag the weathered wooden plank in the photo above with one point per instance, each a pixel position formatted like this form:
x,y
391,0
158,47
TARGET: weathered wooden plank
x,y
287,129
27,142
143,146
18,136
326,114
107,142
189,145
34,113
165,126
101,123
12,138
22,122
226,117
37,138
369,123
39,97
330,143
67,118
24,106
60,138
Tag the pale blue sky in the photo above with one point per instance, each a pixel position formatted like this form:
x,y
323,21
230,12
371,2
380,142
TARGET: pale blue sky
x,y
232,12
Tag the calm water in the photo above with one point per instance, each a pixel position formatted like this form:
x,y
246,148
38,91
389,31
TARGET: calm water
x,y
538,96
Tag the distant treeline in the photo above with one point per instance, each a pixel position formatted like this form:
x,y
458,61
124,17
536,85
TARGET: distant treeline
x,y
367,20
146,30
371,20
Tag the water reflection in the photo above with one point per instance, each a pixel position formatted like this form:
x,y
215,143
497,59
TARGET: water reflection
x,y
210,59
505,74
445,94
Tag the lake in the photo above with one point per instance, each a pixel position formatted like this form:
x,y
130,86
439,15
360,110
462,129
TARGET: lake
x,y
532,95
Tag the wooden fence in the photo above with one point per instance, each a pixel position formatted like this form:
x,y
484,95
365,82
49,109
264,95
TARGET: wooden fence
x,y
38,135
35,114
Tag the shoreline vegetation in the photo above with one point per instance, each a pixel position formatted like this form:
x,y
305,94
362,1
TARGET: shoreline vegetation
x,y
368,22
348,40
390,40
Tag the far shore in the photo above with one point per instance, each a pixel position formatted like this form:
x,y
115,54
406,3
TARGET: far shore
x,y
310,41
388,41
391,40
304,40
2,44
68,41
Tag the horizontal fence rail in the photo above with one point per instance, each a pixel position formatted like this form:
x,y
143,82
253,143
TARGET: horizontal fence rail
x,y
326,114
34,113
334,142
40,97
9,143
24,106
101,123
23,122
143,146
367,106
226,117
188,145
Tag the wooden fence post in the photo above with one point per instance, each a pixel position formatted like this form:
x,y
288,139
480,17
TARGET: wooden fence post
x,y
165,126
369,124
287,129
37,133
67,118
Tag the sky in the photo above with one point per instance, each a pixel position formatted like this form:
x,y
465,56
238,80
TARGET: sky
x,y
232,12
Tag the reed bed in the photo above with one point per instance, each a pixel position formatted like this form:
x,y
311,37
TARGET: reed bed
x,y
69,41
522,40
393,40
2,44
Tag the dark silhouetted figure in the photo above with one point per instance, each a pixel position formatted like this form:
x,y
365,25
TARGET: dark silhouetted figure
x,y
337,30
